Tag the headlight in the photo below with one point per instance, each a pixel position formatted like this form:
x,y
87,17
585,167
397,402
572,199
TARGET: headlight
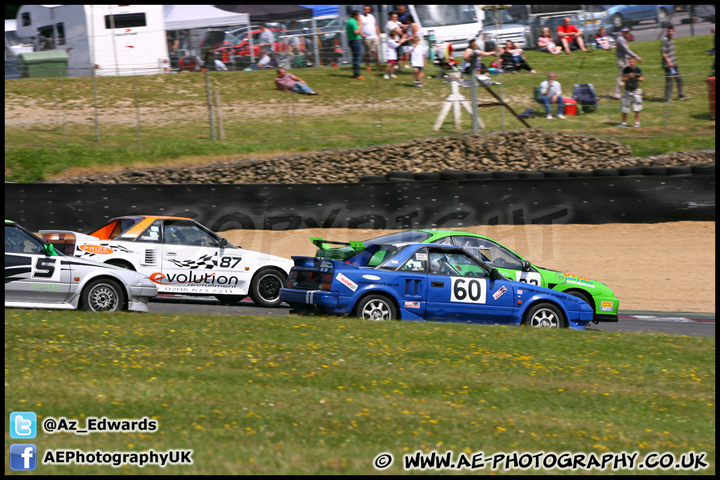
x,y
605,13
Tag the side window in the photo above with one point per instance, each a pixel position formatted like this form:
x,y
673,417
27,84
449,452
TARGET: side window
x,y
475,246
152,234
417,262
455,264
46,38
182,232
444,241
17,241
60,28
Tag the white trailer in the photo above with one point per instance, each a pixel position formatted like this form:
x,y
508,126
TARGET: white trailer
x,y
109,39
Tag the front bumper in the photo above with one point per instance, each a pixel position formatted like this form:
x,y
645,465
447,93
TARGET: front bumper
x,y
139,295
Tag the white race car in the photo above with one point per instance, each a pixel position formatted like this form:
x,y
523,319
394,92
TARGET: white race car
x,y
181,257
36,276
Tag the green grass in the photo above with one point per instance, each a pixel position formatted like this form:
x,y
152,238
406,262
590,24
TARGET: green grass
x,y
310,395
260,120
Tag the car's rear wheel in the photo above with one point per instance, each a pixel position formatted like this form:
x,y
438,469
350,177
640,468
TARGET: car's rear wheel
x,y
377,308
265,287
103,295
544,315
618,21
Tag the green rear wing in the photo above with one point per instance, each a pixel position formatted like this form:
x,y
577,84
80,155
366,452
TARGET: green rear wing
x,y
336,250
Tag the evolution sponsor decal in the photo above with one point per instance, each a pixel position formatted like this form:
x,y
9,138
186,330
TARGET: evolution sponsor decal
x,y
412,304
346,281
606,306
97,249
193,278
500,292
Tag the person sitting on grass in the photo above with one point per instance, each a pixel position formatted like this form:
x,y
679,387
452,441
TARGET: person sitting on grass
x,y
602,40
546,43
287,82
513,60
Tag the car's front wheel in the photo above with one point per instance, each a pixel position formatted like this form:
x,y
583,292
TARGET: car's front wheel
x,y
376,307
265,287
103,295
544,315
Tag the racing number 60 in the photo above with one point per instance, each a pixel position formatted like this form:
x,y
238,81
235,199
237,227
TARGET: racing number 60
x,y
474,292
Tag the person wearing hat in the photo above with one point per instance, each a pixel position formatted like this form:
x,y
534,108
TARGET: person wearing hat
x,y
623,53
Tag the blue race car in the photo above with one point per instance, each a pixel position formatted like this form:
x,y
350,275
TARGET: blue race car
x,y
428,282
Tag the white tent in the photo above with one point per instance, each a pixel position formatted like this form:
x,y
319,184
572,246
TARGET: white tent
x,y
181,17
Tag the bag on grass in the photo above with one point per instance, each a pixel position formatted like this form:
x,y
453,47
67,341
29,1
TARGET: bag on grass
x,y
584,95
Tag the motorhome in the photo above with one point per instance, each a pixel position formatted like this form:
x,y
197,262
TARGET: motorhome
x,y
110,40
15,45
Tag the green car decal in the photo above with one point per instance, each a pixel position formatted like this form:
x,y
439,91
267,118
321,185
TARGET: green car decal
x,y
599,296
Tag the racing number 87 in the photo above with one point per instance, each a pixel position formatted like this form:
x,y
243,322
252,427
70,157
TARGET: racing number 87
x,y
225,262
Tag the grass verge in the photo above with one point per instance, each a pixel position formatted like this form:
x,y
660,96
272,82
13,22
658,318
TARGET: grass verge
x,y
311,395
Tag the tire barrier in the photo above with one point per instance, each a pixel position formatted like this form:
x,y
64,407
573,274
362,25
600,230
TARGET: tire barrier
x,y
382,205
455,175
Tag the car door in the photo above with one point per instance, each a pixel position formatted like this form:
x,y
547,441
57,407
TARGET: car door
x,y
31,275
189,257
460,289
506,261
413,283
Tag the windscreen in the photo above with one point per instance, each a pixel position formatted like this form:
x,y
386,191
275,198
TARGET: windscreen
x,y
441,15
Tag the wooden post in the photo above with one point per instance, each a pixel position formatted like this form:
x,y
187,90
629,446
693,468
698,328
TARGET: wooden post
x,y
218,115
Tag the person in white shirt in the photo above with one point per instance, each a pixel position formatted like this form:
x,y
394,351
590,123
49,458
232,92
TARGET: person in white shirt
x,y
266,39
393,44
550,93
413,31
371,39
393,26
417,60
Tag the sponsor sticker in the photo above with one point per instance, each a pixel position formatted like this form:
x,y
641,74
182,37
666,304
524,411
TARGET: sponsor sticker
x,y
346,281
500,292
412,304
606,306
519,292
97,249
371,277
421,256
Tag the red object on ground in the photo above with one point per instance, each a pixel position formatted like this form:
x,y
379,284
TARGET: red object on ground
x,y
711,95
570,106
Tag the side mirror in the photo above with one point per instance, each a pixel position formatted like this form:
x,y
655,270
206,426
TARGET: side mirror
x,y
494,274
223,242
50,250
525,265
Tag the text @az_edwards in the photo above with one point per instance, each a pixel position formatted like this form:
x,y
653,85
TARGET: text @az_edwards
x,y
94,424
544,460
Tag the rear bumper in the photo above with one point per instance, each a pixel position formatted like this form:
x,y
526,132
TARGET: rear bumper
x,y
606,318
325,300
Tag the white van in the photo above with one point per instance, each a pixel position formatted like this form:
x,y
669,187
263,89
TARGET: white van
x,y
15,45
111,39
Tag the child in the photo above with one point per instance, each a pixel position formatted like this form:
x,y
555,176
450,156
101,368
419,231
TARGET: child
x,y
393,44
417,60
517,53
602,40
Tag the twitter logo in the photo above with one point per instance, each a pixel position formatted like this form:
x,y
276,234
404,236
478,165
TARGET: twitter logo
x,y
23,425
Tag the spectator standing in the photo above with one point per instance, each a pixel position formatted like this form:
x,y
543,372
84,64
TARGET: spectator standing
x,y
287,82
393,43
266,39
353,29
417,60
295,40
602,40
513,60
466,65
570,36
413,31
669,64
623,53
546,42
632,97
393,25
371,30
550,92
